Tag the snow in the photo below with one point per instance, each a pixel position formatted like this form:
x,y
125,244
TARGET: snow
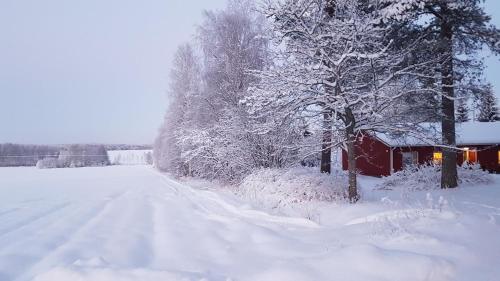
x,y
133,223
276,188
130,157
427,177
468,133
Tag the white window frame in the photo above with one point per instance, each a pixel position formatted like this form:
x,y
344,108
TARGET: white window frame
x,y
414,158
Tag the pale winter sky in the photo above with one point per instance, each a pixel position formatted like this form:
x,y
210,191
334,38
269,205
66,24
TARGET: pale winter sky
x,y
97,71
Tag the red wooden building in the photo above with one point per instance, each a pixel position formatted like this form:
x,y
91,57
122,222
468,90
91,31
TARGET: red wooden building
x,y
382,154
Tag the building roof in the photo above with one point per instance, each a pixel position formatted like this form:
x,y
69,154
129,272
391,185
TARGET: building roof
x,y
468,133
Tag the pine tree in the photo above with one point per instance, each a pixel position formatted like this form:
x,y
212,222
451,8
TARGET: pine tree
x,y
462,111
488,109
458,29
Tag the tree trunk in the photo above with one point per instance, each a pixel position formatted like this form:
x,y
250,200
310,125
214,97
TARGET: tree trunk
x,y
351,156
326,146
449,175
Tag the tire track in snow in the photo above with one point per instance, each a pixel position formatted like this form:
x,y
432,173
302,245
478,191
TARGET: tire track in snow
x,y
8,211
35,218
81,222
132,221
26,247
118,236
19,206
186,241
52,219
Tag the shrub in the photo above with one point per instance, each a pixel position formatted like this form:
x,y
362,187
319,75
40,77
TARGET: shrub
x,y
275,188
427,177
48,163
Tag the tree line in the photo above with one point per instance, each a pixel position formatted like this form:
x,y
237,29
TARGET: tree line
x,y
55,156
17,155
287,81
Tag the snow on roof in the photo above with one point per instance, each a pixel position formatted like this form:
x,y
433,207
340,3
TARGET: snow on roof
x,y
468,133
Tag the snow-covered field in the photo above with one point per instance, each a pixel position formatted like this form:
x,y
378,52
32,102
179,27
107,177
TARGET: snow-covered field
x,y
130,157
132,223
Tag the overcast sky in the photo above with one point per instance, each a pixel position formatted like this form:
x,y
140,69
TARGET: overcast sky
x,y
96,71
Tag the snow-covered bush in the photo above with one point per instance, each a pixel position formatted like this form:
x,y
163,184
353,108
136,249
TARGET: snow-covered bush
x,y
473,174
48,163
276,188
427,177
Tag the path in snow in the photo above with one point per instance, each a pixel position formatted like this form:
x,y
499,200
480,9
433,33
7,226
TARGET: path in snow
x,y
132,223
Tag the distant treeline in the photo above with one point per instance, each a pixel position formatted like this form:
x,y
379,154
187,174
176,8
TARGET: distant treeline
x,y
77,155
16,155
128,146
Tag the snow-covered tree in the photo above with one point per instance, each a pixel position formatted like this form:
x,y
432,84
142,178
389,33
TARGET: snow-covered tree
x,y
183,110
211,134
231,42
462,111
335,64
457,29
488,109
338,69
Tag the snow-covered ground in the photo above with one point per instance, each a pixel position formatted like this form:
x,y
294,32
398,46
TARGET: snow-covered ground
x,y
132,223
130,157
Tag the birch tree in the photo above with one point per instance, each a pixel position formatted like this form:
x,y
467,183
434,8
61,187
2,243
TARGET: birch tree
x,y
183,110
208,132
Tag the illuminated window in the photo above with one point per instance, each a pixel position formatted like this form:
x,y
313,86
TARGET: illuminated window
x,y
470,155
499,157
437,158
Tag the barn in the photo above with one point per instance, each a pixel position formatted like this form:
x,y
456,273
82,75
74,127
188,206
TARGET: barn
x,y
383,154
